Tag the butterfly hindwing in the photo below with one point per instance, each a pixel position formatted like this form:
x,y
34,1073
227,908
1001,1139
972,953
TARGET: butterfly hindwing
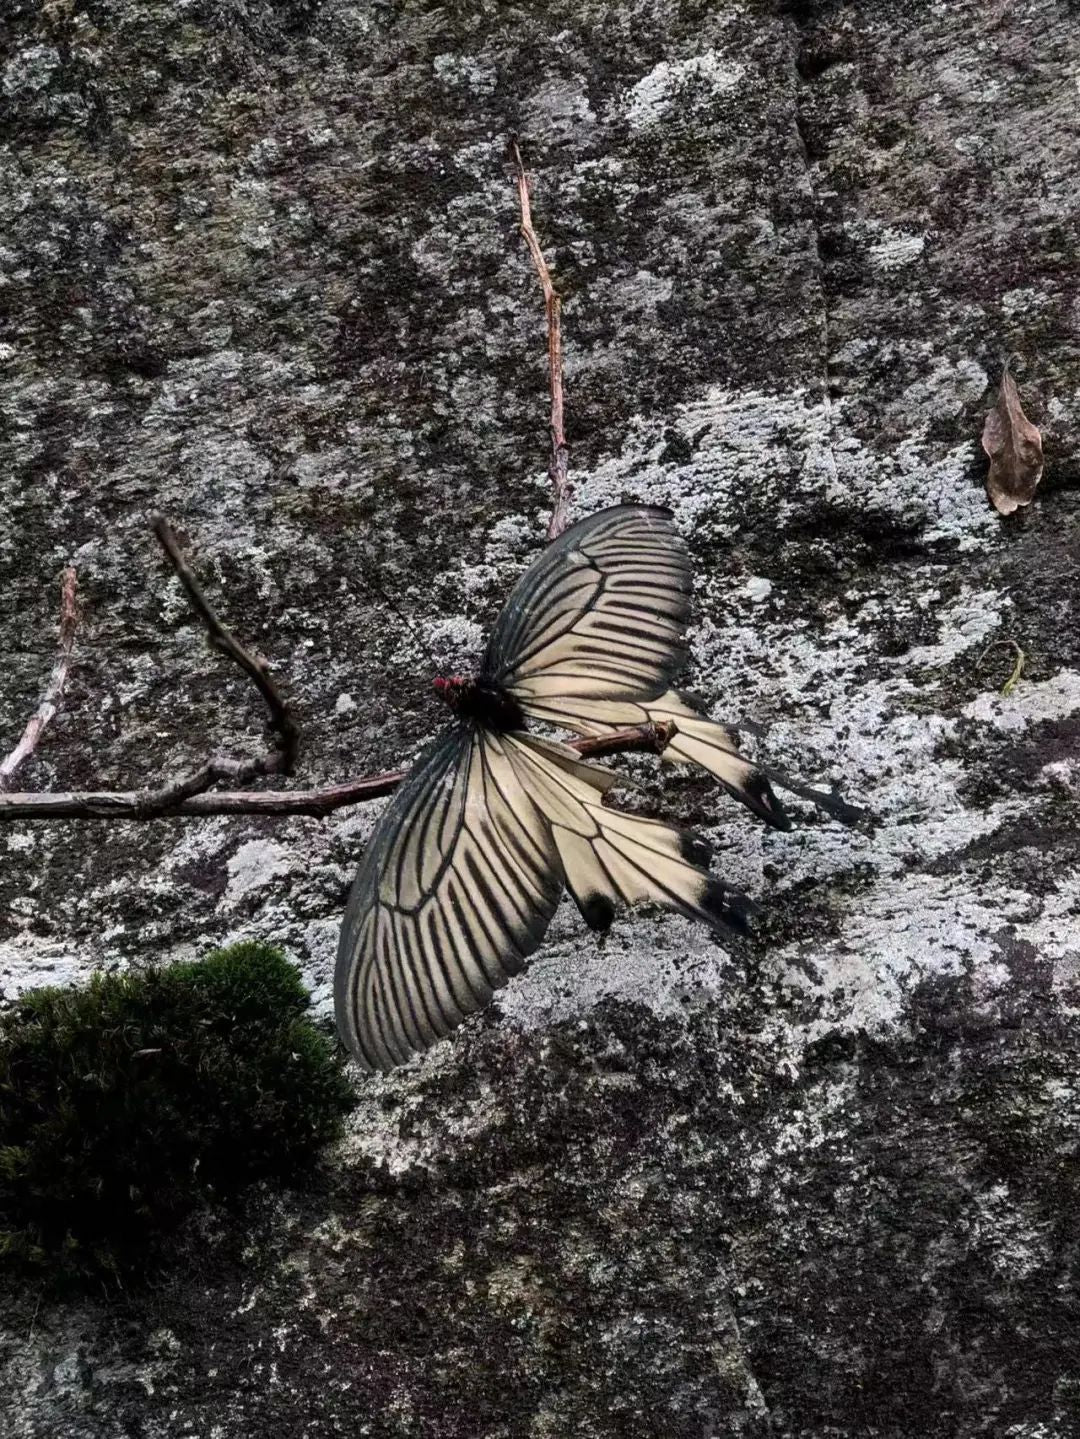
x,y
464,872
613,859
697,740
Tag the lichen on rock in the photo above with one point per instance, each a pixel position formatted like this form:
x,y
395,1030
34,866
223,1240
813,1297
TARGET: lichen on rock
x,y
263,272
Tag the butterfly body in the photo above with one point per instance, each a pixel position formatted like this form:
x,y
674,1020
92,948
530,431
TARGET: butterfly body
x,y
468,862
482,700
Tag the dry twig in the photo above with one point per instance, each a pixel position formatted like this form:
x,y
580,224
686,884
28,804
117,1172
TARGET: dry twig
x,y
190,794
50,700
255,667
174,794
135,805
560,455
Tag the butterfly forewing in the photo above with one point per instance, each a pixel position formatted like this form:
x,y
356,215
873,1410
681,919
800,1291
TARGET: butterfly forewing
x,y
457,888
601,612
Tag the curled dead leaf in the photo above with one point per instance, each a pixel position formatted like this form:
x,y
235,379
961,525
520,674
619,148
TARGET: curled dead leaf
x,y
1014,445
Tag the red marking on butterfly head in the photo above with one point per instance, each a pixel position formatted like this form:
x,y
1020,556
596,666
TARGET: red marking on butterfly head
x,y
450,690
481,701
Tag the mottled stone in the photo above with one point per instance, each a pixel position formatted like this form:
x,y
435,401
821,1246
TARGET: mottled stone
x,y
260,269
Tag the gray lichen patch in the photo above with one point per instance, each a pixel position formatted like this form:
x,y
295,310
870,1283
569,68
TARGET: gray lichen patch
x,y
262,271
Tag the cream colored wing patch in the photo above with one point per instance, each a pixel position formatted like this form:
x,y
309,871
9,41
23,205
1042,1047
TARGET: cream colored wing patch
x,y
611,858
600,613
697,740
457,886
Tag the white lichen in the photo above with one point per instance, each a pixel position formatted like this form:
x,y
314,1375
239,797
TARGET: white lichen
x,y
649,101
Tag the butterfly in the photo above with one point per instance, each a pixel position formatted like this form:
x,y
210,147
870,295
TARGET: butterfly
x,y
468,862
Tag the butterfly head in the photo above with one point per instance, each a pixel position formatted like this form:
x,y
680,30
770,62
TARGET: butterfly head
x,y
451,690
481,700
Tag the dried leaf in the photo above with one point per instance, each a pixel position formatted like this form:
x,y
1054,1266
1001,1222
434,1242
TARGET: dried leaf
x,y
1014,445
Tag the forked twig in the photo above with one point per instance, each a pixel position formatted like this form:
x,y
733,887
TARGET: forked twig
x,y
255,667
174,794
121,804
191,794
560,454
50,700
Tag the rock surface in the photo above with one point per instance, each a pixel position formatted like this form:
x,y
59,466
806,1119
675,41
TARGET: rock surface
x,y
260,270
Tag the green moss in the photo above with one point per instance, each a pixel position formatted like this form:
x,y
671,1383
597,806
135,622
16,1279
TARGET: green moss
x,y
128,1104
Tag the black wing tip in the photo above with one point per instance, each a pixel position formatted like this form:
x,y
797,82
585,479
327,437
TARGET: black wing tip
x,y
760,796
694,701
831,801
728,908
695,848
839,808
597,911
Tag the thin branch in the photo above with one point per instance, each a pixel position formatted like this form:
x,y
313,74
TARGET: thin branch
x,y
170,797
1018,666
255,667
560,455
50,700
145,805
191,794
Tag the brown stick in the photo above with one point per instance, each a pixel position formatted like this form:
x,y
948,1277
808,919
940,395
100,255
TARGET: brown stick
x,y
560,454
188,794
173,803
170,797
50,700
255,667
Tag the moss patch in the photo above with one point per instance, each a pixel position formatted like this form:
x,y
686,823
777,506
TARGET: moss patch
x,y
128,1104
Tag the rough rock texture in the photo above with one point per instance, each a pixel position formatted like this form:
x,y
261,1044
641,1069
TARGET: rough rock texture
x,y
259,269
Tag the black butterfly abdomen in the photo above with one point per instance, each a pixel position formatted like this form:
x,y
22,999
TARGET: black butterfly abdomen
x,y
485,702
